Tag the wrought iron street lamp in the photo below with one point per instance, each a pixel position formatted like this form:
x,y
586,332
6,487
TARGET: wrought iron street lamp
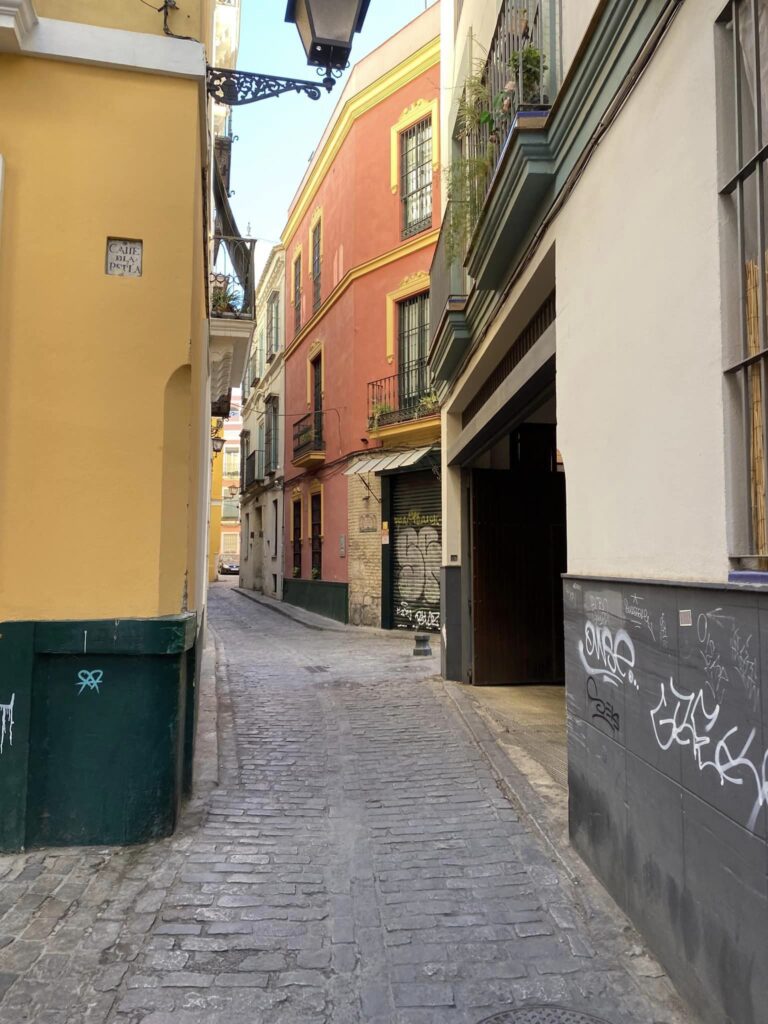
x,y
326,28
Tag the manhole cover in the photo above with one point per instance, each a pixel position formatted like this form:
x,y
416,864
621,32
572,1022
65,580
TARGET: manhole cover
x,y
542,1015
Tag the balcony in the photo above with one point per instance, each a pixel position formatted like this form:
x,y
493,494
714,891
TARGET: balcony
x,y
254,469
232,278
404,406
308,441
448,290
505,168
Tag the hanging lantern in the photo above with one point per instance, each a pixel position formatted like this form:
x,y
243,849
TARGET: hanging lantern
x,y
326,28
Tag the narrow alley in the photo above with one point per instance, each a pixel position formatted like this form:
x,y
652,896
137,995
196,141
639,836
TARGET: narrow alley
x,y
357,862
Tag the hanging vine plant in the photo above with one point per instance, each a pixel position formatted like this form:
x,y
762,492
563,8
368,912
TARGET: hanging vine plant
x,y
466,181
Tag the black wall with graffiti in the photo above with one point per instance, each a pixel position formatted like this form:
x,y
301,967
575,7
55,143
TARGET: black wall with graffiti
x,y
668,775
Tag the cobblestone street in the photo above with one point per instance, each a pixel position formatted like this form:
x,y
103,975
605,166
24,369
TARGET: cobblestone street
x,y
356,863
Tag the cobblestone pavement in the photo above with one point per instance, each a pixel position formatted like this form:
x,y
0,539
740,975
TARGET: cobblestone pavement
x,y
357,863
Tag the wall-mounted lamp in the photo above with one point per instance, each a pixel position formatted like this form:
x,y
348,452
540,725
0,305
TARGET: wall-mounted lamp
x,y
217,443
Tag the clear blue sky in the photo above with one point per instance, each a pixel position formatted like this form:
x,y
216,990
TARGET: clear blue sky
x,y
278,136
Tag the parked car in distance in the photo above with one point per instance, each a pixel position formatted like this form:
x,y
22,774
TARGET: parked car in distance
x,y
229,569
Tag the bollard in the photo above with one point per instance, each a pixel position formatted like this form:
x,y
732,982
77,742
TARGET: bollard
x,y
422,648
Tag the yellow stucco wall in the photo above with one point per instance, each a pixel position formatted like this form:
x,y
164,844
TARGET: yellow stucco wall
x,y
99,375
191,18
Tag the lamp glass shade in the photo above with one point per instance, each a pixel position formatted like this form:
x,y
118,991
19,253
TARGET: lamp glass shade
x,y
217,443
326,28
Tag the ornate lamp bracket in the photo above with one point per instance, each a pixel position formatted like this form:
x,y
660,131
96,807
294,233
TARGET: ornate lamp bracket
x,y
236,88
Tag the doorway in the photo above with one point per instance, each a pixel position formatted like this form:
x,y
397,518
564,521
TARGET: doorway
x,y
518,552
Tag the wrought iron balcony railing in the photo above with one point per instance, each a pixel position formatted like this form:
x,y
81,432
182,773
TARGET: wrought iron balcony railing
x,y
232,278
308,435
406,395
519,79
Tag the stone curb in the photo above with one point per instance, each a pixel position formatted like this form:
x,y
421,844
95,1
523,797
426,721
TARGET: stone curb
x,y
313,621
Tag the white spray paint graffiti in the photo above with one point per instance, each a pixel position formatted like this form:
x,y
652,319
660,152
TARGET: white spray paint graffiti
x,y
613,654
635,611
714,670
746,665
6,722
689,723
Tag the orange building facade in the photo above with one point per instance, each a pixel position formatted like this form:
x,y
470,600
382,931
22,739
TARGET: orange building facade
x,y
360,412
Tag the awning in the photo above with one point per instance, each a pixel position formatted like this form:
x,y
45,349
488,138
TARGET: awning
x,y
388,462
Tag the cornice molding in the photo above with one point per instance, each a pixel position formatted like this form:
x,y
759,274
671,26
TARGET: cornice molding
x,y
17,19
412,245
21,31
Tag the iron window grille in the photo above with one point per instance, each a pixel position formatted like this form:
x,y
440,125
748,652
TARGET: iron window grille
x,y
413,343
297,538
743,65
273,324
316,536
297,294
271,435
416,177
316,266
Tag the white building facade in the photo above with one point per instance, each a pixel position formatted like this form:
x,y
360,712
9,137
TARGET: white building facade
x,y
599,344
261,523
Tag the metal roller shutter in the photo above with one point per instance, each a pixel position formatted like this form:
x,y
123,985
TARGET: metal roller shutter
x,y
416,551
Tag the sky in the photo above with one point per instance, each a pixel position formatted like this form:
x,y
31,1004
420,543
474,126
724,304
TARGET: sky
x,y
278,136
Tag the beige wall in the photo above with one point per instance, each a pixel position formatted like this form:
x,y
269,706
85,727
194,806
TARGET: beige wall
x,y
639,380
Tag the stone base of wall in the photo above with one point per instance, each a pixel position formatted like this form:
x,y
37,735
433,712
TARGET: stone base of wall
x,y
668,775
364,550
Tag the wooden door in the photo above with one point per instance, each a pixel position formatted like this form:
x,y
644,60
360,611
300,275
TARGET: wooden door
x,y
518,554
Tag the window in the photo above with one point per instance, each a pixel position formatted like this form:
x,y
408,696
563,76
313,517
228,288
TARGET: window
x,y
275,527
296,537
246,540
316,367
416,177
230,508
297,294
413,342
743,117
271,435
229,543
316,534
316,261
273,325
231,462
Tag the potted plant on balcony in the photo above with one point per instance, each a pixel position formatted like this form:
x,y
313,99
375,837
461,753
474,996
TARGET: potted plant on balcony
x,y
315,573
524,89
378,411
429,403
295,573
223,299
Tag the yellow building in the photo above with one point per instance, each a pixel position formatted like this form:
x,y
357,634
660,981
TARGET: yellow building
x,y
104,299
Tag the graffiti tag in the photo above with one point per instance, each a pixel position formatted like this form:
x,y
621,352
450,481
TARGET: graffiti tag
x,y
89,680
612,654
688,723
714,670
602,709
639,615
